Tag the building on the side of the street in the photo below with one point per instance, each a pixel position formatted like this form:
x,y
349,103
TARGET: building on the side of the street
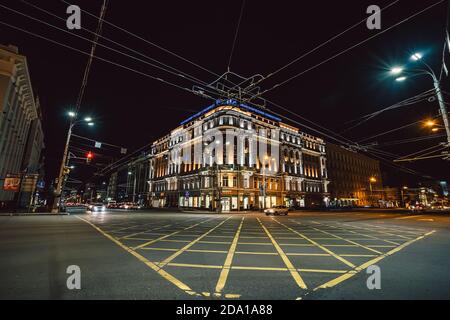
x,y
21,134
130,181
355,178
231,156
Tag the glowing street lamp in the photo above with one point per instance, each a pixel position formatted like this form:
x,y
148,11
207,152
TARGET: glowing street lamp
x,y
416,56
396,70
430,123
62,172
425,69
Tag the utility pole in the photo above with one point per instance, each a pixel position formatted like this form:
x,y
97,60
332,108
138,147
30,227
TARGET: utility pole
x,y
61,176
442,108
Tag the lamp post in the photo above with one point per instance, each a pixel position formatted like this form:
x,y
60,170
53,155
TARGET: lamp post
x,y
426,70
403,195
65,158
371,180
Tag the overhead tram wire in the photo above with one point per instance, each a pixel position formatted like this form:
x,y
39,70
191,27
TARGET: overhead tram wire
x,y
91,57
322,44
146,41
136,71
420,151
99,58
410,140
346,50
134,35
236,35
393,130
176,72
407,102
399,167
154,45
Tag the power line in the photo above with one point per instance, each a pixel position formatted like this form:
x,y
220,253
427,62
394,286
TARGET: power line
x,y
91,57
346,50
97,57
324,43
175,71
146,41
393,130
236,34
407,102
416,139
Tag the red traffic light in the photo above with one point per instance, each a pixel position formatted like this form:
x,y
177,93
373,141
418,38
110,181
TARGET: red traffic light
x,y
90,155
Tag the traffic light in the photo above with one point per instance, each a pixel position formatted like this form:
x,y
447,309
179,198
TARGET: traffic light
x,y
89,157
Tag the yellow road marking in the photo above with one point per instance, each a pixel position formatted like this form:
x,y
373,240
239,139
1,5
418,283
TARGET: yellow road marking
x,y
351,273
159,249
345,261
255,243
250,268
192,265
141,258
170,234
428,220
137,233
352,240
309,254
228,261
408,217
214,242
322,270
259,269
190,244
298,279
412,231
383,232
257,253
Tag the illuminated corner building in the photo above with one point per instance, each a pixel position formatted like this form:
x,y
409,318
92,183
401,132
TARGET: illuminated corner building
x,y
296,175
21,134
355,179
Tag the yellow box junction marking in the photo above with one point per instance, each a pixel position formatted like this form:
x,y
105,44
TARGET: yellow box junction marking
x,y
228,261
368,236
190,244
367,264
171,234
349,241
298,279
345,261
141,258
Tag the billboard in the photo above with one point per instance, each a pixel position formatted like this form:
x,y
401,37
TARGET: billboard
x,y
12,183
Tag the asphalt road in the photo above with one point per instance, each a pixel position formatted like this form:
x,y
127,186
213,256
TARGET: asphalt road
x,y
164,255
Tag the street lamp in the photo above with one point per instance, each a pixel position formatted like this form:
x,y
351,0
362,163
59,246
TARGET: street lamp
x,y
371,180
396,70
425,69
61,177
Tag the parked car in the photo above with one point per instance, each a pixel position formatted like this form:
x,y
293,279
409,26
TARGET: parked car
x,y
277,210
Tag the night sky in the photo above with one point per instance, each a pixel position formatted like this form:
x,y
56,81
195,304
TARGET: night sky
x,y
132,110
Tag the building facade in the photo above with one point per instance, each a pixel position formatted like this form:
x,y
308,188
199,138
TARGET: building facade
x,y
232,157
355,178
21,134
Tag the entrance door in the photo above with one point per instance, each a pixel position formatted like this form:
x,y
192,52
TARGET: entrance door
x,y
226,205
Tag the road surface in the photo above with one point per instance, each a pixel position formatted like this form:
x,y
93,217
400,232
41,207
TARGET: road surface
x,y
172,255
